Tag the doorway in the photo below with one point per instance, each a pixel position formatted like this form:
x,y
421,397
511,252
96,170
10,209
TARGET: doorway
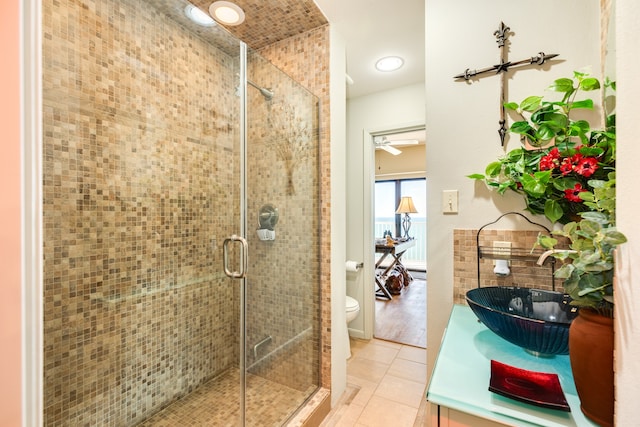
x,y
400,173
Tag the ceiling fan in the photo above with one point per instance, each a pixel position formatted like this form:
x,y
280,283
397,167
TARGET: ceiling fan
x,y
387,145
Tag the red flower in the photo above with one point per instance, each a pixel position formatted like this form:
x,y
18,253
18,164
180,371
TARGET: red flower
x,y
550,161
566,166
586,166
547,163
572,194
554,153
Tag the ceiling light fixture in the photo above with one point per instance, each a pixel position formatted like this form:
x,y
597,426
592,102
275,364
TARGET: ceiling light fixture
x,y
198,16
389,63
227,13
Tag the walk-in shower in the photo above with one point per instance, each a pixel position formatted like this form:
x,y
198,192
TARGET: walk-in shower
x,y
151,161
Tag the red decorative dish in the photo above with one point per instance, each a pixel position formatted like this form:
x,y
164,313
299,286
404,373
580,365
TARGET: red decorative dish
x,y
538,388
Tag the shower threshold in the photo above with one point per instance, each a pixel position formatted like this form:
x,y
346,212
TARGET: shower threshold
x,y
215,403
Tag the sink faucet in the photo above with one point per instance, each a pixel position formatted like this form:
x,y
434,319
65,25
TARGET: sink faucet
x,y
546,254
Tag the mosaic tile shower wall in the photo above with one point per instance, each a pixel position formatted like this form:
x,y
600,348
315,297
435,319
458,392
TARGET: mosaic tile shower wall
x,y
140,146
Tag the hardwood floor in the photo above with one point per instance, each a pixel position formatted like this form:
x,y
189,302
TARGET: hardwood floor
x,y
403,319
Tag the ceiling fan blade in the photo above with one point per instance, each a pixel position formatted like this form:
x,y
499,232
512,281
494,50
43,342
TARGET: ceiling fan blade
x,y
403,142
390,150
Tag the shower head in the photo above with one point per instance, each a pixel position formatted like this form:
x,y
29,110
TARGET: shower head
x,y
268,95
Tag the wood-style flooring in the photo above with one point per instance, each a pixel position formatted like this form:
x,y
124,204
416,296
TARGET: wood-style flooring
x,y
403,319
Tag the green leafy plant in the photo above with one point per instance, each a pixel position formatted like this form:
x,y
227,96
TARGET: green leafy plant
x,y
587,268
559,155
565,170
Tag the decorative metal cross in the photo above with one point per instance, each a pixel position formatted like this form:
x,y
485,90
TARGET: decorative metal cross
x,y
502,34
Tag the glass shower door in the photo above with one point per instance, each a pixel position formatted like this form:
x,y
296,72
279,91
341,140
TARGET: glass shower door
x,y
282,302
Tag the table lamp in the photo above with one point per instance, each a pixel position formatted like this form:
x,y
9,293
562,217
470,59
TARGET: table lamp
x,y
406,207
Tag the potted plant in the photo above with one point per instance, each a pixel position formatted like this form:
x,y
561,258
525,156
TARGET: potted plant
x,y
566,171
559,153
587,268
588,276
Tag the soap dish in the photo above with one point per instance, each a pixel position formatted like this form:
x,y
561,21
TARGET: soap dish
x,y
537,388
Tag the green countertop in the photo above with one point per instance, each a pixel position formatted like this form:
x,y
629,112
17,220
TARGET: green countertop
x,y
461,376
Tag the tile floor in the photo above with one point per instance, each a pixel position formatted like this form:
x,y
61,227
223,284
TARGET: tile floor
x,y
267,403
386,385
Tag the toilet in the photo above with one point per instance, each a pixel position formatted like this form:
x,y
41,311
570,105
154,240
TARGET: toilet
x,y
353,308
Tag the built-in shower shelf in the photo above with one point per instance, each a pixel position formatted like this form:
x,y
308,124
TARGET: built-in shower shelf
x,y
151,290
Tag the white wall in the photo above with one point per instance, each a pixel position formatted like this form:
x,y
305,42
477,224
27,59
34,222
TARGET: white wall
x,y
462,119
338,130
627,325
392,109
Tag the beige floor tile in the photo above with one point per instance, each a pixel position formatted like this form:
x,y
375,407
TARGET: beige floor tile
x,y
341,409
409,370
389,379
401,390
366,369
381,412
357,345
379,353
350,416
414,354
367,388
384,343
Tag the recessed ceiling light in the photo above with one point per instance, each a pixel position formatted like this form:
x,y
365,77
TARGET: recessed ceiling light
x,y
227,13
198,16
389,63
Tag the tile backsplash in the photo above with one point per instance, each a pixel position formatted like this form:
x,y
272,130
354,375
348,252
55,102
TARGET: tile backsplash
x,y
524,270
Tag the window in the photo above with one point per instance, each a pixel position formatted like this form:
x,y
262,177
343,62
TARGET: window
x,y
387,197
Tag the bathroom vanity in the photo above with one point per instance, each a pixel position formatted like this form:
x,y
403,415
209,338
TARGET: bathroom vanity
x,y
458,392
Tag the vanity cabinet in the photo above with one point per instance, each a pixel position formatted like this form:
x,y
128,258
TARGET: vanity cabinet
x,y
442,416
458,392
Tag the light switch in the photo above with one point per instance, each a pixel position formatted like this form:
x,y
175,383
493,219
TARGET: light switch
x,y
449,201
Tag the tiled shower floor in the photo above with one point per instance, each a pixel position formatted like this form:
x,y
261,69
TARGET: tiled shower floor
x,y
215,403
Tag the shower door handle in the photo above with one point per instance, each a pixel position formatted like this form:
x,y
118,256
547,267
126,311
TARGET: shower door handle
x,y
244,258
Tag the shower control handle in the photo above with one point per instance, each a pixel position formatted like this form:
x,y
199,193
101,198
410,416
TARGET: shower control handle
x,y
244,258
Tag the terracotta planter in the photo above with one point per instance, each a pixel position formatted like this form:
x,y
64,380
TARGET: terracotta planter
x,y
591,355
